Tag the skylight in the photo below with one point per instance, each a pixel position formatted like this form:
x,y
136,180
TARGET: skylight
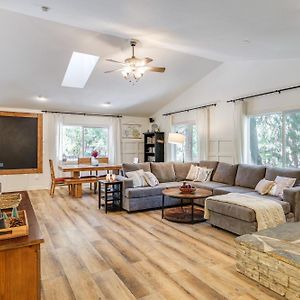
x,y
79,70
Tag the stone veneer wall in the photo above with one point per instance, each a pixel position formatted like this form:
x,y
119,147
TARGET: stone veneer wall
x,y
271,272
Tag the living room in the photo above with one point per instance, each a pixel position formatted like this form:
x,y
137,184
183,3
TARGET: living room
x,y
150,150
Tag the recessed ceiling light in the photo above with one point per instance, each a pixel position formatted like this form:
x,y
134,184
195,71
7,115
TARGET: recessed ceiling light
x,y
79,70
106,104
41,98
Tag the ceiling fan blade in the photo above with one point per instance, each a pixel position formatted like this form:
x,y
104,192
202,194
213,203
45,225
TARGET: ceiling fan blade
x,y
147,60
114,61
156,69
113,71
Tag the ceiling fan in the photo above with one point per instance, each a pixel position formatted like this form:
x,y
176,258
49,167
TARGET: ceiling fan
x,y
133,68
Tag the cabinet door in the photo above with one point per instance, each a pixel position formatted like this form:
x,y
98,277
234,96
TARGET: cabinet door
x,y
20,273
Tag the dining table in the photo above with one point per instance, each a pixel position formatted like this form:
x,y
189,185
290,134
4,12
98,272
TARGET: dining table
x,y
77,169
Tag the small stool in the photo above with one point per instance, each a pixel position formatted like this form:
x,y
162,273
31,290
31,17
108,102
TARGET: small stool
x,y
112,194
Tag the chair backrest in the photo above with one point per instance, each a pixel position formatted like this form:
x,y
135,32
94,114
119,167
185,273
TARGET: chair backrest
x,y
52,172
87,160
103,160
84,160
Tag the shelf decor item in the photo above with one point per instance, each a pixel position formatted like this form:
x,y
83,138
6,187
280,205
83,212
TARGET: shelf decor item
x,y
154,127
14,213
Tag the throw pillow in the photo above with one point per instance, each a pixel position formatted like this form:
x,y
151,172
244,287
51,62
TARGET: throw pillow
x,y
282,183
204,174
209,174
151,179
137,178
193,172
264,186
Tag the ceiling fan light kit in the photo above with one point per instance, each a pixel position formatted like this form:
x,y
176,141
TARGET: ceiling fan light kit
x,y
134,68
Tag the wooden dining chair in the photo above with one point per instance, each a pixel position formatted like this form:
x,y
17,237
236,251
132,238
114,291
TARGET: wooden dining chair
x,y
99,175
103,160
57,181
86,161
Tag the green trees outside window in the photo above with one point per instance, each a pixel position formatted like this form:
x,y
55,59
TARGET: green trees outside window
x,y
190,146
275,139
79,141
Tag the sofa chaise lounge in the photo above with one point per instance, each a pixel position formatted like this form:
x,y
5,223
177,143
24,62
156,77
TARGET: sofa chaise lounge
x,y
226,178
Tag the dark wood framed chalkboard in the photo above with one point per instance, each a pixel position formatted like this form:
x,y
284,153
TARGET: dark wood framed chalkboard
x,y
21,143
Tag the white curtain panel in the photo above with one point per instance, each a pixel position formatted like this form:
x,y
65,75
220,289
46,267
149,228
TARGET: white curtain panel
x,y
53,140
115,141
239,118
202,116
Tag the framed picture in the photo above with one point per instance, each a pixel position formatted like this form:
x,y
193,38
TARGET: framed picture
x,y
131,131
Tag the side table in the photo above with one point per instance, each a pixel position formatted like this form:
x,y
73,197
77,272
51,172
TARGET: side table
x,y
112,194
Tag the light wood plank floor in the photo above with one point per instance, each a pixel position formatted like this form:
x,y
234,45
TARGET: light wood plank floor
x,y
90,255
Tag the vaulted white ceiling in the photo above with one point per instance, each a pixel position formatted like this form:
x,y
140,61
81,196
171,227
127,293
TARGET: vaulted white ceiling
x,y
190,38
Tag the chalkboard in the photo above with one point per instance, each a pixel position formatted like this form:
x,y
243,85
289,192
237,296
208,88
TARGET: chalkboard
x,y
20,143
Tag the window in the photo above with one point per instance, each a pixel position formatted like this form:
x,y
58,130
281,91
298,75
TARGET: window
x,y
191,150
79,141
274,139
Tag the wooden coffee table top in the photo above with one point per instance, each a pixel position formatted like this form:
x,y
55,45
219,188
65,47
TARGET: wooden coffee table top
x,y
176,193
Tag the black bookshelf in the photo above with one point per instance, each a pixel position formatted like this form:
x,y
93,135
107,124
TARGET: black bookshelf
x,y
154,145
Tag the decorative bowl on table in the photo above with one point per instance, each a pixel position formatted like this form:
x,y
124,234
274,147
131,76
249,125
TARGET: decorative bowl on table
x,y
187,188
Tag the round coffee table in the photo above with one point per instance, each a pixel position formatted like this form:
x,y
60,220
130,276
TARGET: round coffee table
x,y
185,212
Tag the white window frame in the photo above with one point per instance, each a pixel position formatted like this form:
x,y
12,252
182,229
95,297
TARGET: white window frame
x,y
283,133
70,161
190,122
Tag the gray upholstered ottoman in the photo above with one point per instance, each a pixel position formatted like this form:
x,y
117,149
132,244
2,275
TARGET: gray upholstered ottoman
x,y
238,219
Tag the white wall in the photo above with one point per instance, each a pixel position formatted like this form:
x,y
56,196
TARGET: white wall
x,y
232,80
42,181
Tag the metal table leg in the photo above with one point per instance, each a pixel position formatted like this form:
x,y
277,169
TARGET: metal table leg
x,y
99,200
162,206
192,211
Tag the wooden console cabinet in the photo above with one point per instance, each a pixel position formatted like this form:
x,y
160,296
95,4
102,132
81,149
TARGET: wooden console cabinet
x,y
20,274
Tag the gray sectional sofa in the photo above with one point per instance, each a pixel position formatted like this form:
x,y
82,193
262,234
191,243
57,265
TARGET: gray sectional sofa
x,y
225,179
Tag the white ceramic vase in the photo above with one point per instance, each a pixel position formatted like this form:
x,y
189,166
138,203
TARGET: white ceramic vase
x,y
94,161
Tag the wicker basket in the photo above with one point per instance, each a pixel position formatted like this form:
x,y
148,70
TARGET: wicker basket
x,y
10,200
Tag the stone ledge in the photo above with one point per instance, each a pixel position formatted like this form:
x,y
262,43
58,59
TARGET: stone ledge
x,y
282,242
272,258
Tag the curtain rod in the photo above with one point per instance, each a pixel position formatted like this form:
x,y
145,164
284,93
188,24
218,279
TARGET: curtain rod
x,y
80,114
263,94
189,109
